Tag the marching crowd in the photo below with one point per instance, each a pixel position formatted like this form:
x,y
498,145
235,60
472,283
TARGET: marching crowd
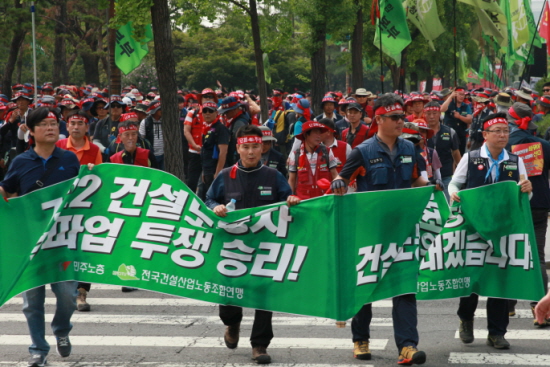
x,y
453,139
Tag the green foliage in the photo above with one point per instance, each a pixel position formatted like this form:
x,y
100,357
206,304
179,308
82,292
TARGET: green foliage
x,y
136,11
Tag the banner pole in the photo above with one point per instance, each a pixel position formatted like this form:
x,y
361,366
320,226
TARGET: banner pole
x,y
381,55
34,52
454,38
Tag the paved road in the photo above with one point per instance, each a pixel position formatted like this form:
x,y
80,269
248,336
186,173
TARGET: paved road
x,y
149,329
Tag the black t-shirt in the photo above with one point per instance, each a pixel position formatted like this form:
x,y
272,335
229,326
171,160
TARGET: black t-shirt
x,y
458,125
444,143
541,191
217,134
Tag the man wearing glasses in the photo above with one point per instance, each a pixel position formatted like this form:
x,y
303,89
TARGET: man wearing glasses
x,y
390,163
106,130
546,89
489,164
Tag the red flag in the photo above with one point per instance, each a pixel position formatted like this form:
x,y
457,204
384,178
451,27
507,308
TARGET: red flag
x,y
374,12
544,30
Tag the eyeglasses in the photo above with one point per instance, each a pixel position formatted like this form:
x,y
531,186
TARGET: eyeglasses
x,y
395,117
499,132
208,111
45,125
361,96
116,106
546,90
209,96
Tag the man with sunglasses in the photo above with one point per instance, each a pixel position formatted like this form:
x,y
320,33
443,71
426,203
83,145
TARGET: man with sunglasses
x,y
390,163
546,89
489,164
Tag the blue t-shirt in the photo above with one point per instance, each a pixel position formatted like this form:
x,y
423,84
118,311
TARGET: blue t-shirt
x,y
29,167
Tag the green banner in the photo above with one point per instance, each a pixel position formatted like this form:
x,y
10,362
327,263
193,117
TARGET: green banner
x,y
128,51
325,257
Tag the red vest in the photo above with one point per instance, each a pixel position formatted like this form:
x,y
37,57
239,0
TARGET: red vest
x,y
88,156
142,157
197,126
360,137
339,152
306,186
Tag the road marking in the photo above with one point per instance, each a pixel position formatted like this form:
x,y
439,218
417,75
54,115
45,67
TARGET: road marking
x,y
536,334
500,359
194,320
520,314
193,342
151,302
160,364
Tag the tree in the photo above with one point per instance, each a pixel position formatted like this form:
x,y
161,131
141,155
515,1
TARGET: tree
x,y
18,25
357,49
321,18
157,12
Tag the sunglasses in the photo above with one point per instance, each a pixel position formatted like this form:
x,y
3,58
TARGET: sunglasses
x,y
208,111
546,90
395,117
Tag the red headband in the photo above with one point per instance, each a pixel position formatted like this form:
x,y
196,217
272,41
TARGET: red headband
x,y
250,139
127,116
78,118
383,110
127,128
433,108
523,123
51,115
491,122
459,90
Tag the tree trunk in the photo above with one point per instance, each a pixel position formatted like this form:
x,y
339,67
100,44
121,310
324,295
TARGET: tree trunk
x,y
430,77
258,55
357,50
402,69
318,70
91,67
19,65
16,43
166,72
414,85
115,76
60,70
395,75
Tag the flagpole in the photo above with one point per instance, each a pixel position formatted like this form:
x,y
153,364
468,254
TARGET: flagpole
x,y
454,31
381,54
34,52
533,41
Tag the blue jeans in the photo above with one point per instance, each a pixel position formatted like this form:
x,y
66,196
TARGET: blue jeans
x,y
160,161
33,309
446,181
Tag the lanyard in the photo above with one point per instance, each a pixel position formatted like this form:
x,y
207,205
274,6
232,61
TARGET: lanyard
x,y
494,163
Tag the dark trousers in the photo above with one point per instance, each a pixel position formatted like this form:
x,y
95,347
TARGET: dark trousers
x,y
86,286
497,313
262,330
405,321
206,182
195,169
540,222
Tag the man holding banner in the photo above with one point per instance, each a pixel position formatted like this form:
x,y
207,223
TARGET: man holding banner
x,y
44,165
390,163
535,153
248,184
490,164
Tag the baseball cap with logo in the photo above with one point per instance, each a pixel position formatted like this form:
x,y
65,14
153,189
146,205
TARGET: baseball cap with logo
x,y
267,134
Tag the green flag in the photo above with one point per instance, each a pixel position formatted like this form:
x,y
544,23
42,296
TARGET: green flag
x,y
518,30
128,51
267,72
423,14
395,32
473,77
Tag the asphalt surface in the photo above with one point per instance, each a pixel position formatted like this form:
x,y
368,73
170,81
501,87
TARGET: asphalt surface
x,y
143,328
